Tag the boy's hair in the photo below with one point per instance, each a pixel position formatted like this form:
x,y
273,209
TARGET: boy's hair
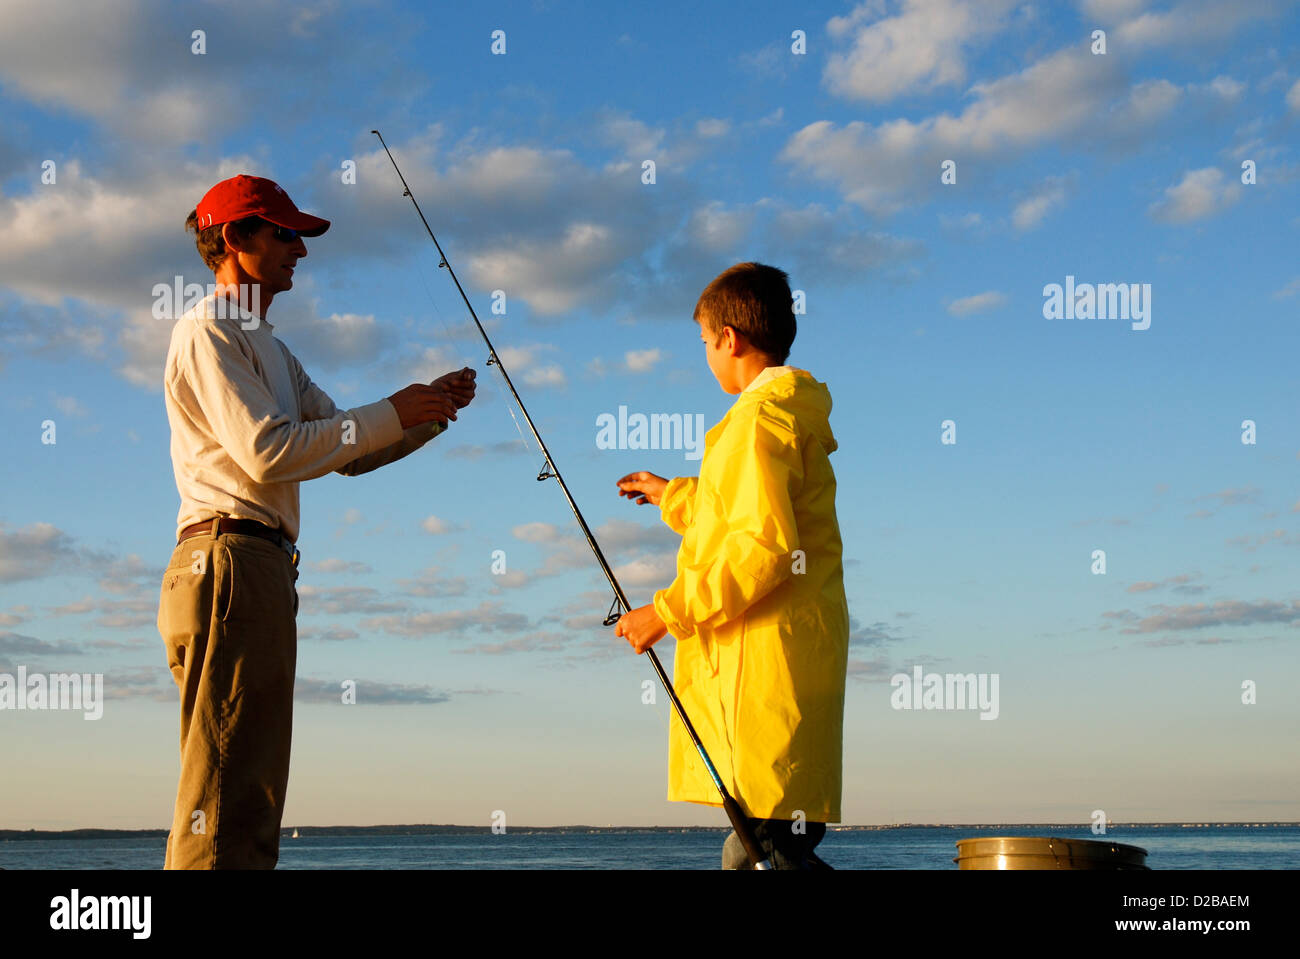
x,y
210,244
754,299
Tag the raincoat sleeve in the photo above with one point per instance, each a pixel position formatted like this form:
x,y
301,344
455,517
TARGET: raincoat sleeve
x,y
755,497
677,504
316,404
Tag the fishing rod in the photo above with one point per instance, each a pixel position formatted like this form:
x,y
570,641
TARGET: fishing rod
x,y
620,605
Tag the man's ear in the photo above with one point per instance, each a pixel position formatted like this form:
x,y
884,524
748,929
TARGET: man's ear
x,y
234,241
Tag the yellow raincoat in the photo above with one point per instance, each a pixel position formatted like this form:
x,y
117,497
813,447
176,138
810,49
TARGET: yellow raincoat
x,y
758,607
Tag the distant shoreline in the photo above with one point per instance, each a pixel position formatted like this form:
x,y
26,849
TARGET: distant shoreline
x,y
449,829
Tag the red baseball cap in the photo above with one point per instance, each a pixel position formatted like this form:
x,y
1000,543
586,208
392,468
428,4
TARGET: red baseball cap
x,y
245,195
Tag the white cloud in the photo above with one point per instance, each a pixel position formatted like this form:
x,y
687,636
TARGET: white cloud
x,y
431,582
1227,87
1200,193
334,341
1069,97
129,65
716,228
1187,22
636,139
69,406
541,225
918,50
414,363
642,361
127,236
1112,11
556,273
517,358
1291,289
1049,196
96,60
550,375
485,618
524,358
435,526
536,532
878,166
712,127
977,303
621,534
34,551
1293,97
336,565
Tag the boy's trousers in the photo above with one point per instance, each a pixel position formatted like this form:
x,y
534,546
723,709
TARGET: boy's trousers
x,y
226,615
786,847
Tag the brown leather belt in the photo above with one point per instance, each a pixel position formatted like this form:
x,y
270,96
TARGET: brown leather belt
x,y
244,527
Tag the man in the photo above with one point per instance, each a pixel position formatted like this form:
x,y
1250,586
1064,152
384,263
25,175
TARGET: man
x,y
247,426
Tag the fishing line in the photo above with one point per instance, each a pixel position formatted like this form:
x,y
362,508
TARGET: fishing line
x,y
549,471
463,358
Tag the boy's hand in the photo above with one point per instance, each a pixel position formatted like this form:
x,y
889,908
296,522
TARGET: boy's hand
x,y
642,628
648,486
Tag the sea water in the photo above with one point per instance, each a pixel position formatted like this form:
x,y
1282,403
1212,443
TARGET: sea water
x,y
1169,846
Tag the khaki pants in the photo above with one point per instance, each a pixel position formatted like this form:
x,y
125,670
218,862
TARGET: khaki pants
x,y
226,616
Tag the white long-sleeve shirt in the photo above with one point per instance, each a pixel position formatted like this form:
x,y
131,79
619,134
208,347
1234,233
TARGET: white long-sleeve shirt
x,y
248,424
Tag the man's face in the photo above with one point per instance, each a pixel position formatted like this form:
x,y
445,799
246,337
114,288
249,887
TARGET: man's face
x,y
269,260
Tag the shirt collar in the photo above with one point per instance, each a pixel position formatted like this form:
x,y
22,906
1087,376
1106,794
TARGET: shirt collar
x,y
768,374
231,310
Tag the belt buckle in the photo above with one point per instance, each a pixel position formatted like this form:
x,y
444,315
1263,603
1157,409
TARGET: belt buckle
x,y
283,542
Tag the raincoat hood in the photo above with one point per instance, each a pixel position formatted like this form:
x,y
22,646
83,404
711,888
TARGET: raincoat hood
x,y
795,392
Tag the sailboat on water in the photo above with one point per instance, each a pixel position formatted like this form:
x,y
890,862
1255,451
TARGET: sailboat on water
x,y
295,833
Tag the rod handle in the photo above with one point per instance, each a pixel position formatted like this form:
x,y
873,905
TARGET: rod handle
x,y
757,858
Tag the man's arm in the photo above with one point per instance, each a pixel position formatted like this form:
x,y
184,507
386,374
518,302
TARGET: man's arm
x,y
764,471
215,377
316,404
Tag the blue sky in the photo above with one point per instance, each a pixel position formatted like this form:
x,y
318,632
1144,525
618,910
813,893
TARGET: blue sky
x,y
1119,691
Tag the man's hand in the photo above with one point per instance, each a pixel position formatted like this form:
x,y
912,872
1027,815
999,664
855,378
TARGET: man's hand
x,y
420,403
434,402
458,386
642,628
648,486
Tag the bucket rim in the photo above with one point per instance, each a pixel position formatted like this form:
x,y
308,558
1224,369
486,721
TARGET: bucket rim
x,y
1093,842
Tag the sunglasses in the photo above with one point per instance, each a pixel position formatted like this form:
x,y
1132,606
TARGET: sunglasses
x,y
285,235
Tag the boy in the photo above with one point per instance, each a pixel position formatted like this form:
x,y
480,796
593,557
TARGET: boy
x,y
758,606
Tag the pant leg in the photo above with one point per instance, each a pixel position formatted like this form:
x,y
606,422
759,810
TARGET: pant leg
x,y
786,847
226,615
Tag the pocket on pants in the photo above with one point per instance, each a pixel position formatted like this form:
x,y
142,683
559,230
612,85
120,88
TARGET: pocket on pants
x,y
185,600
259,589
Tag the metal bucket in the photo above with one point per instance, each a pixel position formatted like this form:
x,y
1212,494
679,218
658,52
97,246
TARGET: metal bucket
x,y
1043,852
